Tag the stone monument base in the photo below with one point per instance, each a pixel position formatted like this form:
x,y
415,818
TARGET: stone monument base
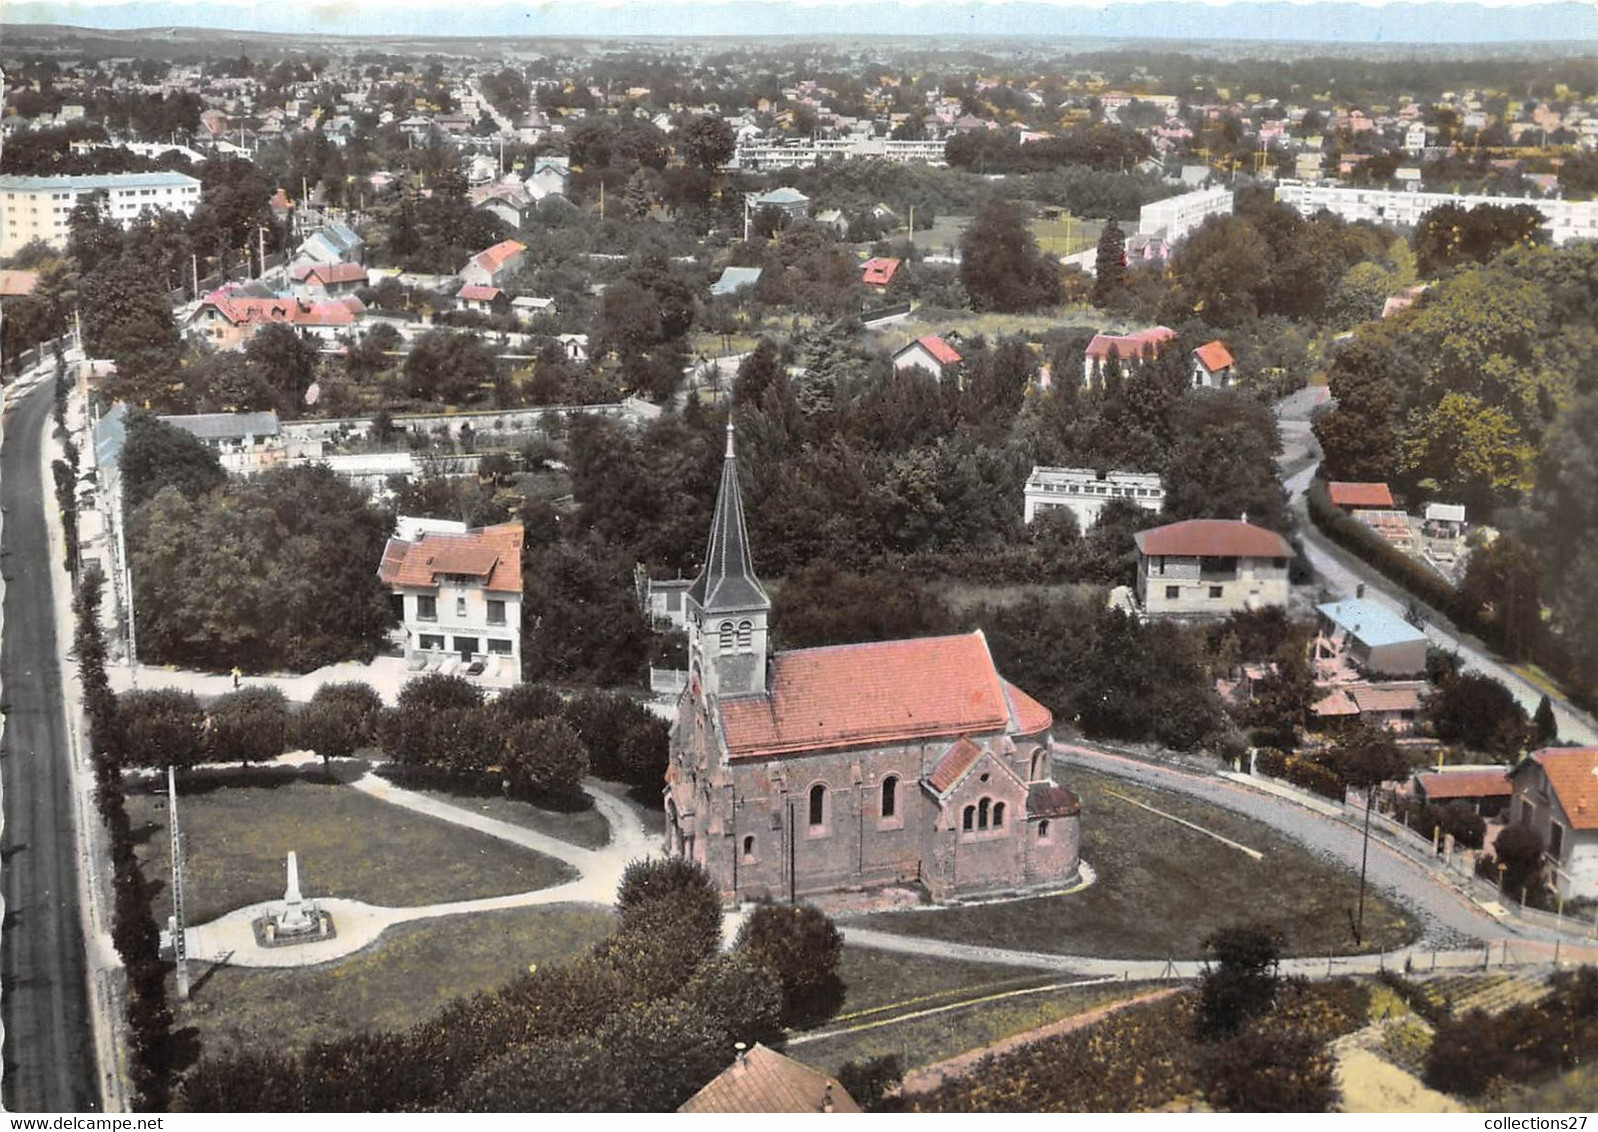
x,y
267,935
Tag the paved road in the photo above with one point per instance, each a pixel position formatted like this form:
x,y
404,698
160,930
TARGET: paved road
x,y
1342,575
48,1050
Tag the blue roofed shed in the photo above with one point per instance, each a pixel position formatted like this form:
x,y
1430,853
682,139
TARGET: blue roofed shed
x,y
735,279
1375,638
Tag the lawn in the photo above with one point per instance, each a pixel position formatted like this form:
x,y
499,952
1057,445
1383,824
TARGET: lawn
x,y
349,845
408,975
1162,888
587,829
1065,236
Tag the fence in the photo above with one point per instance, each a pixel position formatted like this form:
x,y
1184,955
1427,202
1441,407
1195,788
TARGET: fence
x,y
884,314
27,359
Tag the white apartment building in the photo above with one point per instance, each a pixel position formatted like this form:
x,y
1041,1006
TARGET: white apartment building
x,y
1176,217
1085,491
1564,220
457,593
761,154
38,208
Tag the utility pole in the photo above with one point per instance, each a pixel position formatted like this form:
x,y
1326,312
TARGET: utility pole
x,y
1364,859
180,943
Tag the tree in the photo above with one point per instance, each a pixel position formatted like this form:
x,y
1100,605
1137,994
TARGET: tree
x,y
1544,727
286,363
157,455
1000,264
868,1080
250,725
1519,849
125,317
668,923
801,945
706,140
1240,978
1451,235
340,719
1367,756
161,728
822,605
1109,265
449,367
1477,711
544,757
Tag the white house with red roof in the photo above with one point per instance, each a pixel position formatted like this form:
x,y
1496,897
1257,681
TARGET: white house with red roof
x,y
1556,795
1127,349
855,766
929,353
327,280
879,271
457,595
493,266
477,297
1211,567
227,319
1212,366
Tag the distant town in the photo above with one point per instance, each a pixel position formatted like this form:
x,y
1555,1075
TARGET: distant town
x,y
741,574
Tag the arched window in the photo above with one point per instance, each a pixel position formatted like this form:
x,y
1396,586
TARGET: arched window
x,y
998,815
749,849
982,814
746,636
1040,766
726,636
970,818
1043,830
890,796
818,806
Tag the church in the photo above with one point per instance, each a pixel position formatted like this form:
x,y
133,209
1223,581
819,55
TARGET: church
x,y
849,767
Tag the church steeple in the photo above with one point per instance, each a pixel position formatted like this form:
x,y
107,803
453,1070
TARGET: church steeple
x,y
728,608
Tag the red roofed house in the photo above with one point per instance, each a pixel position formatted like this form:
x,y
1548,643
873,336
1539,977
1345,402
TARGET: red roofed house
x,y
476,297
227,320
854,766
458,593
878,272
1556,794
327,280
1128,349
763,1080
930,353
1204,567
1212,366
1486,790
1348,496
492,267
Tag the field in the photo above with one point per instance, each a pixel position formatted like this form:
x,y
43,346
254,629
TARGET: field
x,y
1066,235
349,845
408,975
1162,888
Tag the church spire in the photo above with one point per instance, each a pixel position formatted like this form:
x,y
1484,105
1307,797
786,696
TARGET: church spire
x,y
728,580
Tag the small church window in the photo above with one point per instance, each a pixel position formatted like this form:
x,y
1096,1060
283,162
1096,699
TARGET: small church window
x,y
890,796
749,849
998,815
969,821
745,636
982,814
1043,830
726,636
818,805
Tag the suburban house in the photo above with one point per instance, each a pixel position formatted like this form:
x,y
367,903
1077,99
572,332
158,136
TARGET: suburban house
x,y
549,178
327,280
506,198
851,767
1359,636
477,297
1349,496
1210,567
1395,704
575,346
244,442
762,1080
879,272
334,242
1085,491
492,266
227,319
1486,790
1444,520
662,600
1128,349
734,279
528,307
929,353
1556,795
457,594
1212,366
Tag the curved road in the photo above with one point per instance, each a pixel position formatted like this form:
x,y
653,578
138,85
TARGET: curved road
x,y
44,1000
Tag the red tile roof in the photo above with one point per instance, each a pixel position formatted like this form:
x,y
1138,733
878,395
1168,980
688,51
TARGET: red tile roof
x,y
763,1080
1465,784
478,293
494,258
1212,538
1030,716
15,283
1214,356
491,553
1150,341
1338,703
240,309
944,353
326,273
878,272
870,694
1344,494
954,764
1573,777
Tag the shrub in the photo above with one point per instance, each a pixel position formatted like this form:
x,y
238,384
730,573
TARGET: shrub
x,y
161,728
250,725
340,719
803,947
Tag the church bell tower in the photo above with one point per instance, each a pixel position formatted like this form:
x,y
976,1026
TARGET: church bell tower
x,y
728,610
